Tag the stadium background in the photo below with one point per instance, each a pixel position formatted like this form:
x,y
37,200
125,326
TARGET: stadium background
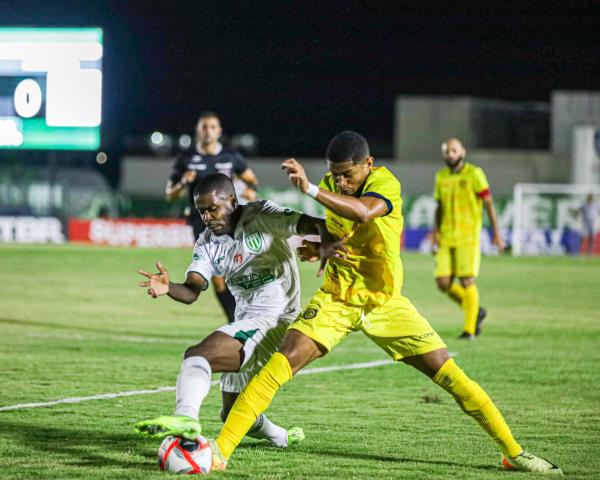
x,y
515,84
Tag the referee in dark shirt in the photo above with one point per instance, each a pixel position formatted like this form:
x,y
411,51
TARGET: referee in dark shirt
x,y
207,157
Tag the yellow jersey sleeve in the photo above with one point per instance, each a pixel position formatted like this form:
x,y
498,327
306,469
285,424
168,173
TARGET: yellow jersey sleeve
x,y
480,182
384,187
437,194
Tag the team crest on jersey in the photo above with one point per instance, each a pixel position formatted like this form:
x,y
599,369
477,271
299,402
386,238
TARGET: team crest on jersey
x,y
254,242
463,184
309,313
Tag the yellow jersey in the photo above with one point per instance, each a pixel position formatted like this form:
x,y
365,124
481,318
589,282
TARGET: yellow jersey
x,y
460,195
372,272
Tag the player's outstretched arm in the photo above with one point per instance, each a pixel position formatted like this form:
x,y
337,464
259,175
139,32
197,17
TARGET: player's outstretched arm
x,y
329,246
360,210
158,284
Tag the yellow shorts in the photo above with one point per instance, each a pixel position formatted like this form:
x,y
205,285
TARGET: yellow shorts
x,y
395,326
461,261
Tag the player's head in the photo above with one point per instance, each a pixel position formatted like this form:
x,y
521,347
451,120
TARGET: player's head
x,y
215,199
453,152
208,128
349,161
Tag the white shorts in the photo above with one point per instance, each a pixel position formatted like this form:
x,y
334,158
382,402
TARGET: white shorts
x,y
261,337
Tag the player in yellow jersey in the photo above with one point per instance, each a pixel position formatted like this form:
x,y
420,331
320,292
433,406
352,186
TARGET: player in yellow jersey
x,y
461,189
362,292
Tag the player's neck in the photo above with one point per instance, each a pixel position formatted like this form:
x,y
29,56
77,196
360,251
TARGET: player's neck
x,y
458,167
235,219
210,148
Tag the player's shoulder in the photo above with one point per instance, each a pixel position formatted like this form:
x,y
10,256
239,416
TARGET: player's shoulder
x,y
262,207
442,172
382,177
472,168
230,153
204,239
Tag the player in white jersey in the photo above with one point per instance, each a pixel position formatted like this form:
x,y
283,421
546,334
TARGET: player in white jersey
x,y
248,246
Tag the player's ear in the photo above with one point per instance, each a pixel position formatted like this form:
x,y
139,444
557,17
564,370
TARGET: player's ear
x,y
234,201
370,161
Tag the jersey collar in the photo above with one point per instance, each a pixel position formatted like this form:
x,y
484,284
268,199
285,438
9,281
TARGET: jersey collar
x,y
217,151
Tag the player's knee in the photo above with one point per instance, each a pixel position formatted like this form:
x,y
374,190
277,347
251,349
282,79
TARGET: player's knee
x,y
443,283
467,281
193,351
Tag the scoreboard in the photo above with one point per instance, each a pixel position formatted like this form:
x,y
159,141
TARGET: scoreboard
x,y
50,88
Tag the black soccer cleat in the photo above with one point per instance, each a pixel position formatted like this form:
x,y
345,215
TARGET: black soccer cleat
x,y
480,317
466,336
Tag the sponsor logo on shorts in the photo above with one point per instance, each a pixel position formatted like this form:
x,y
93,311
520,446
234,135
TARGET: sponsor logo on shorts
x,y
426,335
309,313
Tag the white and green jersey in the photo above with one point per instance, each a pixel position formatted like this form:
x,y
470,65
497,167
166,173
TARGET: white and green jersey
x,y
257,263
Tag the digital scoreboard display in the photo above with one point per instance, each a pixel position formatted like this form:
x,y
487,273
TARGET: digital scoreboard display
x,y
50,88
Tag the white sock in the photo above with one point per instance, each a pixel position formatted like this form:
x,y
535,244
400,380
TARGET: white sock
x,y
265,428
193,384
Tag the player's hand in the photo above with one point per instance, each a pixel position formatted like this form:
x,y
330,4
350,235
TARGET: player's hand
x,y
435,243
308,251
296,174
499,242
331,247
157,283
189,177
249,194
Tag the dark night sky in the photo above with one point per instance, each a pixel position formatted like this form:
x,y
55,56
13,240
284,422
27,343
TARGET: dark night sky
x,y
295,73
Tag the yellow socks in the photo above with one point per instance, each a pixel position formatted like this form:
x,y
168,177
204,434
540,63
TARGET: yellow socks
x,y
477,404
471,307
254,400
456,292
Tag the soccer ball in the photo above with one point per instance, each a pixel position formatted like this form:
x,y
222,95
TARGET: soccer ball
x,y
179,455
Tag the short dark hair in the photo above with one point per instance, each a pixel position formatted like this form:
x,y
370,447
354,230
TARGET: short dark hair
x,y
348,145
207,114
218,183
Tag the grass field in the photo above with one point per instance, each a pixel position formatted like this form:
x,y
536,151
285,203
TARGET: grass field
x,y
73,323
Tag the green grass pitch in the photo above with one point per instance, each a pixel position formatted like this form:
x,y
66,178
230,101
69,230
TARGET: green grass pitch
x,y
73,323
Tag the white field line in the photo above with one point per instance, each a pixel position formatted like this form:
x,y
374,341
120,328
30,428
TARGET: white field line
x,y
108,396
130,393
118,338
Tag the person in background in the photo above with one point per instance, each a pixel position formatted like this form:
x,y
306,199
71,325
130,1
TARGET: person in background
x,y
462,192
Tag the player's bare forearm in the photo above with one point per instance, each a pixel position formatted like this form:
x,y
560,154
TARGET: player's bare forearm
x,y
173,191
360,210
491,213
183,293
437,218
249,178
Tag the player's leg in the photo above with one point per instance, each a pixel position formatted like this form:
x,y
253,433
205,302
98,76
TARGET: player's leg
x,y
219,352
444,275
263,428
225,297
476,403
296,351
468,260
311,336
405,335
